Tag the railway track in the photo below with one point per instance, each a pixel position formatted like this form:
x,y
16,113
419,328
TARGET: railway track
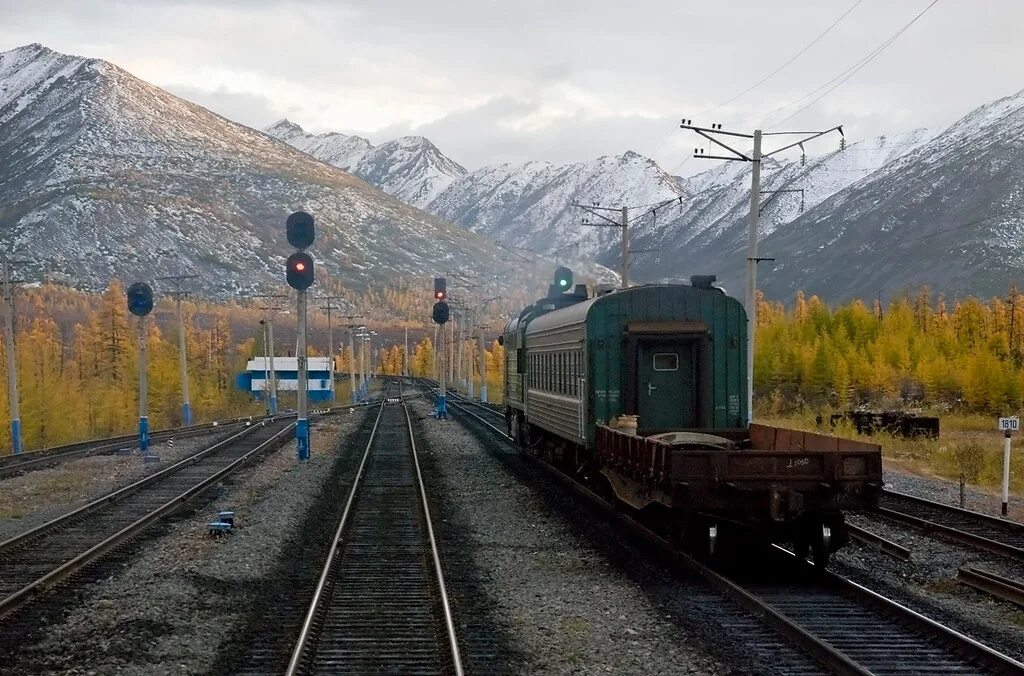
x,y
11,465
844,627
39,559
381,605
999,536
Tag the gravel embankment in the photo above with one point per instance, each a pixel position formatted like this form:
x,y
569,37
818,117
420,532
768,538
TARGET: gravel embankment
x,y
33,498
943,490
184,593
543,584
927,583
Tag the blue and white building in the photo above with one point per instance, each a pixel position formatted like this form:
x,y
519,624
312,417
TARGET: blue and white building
x,y
286,371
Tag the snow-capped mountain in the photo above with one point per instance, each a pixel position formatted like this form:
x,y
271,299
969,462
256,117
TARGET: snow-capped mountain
x,y
531,205
410,168
103,175
340,150
947,214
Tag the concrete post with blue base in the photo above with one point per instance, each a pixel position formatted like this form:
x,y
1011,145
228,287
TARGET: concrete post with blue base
x,y
143,386
16,436
442,403
302,439
302,425
186,407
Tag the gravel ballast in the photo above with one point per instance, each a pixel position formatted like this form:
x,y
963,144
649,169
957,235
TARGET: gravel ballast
x,y
948,492
927,583
540,583
182,594
31,499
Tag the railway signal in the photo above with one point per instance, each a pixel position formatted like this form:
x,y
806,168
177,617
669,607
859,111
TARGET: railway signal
x,y
299,273
299,270
140,304
563,278
441,315
440,290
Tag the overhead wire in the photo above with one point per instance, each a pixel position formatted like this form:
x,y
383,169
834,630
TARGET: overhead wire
x,y
770,75
838,80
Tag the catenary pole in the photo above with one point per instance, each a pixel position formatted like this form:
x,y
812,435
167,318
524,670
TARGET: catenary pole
x,y
625,247
752,235
483,366
12,363
715,134
273,373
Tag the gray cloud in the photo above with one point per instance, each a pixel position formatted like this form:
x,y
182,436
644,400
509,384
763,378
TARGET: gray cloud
x,y
250,109
493,82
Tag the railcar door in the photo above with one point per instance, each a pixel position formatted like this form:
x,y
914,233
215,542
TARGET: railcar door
x,y
666,386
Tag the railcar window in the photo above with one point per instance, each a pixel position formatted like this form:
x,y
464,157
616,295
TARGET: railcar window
x,y
559,386
666,361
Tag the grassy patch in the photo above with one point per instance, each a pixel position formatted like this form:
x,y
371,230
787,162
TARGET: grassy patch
x,y
968,443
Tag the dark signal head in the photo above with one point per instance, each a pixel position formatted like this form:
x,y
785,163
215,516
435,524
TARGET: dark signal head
x,y
140,299
300,230
441,312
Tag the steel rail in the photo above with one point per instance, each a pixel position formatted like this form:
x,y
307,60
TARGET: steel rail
x,y
453,641
120,493
62,572
314,605
996,585
11,465
876,541
822,650
1014,530
306,635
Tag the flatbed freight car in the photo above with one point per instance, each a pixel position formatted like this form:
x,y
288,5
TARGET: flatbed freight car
x,y
641,394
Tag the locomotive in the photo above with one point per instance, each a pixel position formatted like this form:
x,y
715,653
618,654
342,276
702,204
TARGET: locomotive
x,y
641,394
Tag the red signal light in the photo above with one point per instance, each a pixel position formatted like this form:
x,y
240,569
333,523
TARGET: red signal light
x,y
300,266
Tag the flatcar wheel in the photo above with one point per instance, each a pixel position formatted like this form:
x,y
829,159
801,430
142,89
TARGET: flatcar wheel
x,y
821,550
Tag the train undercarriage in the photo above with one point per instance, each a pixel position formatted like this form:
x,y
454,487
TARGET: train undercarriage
x,y
715,502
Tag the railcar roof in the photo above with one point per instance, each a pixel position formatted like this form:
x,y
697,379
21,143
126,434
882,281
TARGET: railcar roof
x,y
578,312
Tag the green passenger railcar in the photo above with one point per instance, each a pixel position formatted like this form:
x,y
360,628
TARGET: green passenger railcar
x,y
642,394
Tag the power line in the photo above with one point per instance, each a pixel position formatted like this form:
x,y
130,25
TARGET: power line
x,y
769,75
848,73
791,60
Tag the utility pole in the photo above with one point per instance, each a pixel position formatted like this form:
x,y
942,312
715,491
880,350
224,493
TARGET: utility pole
x,y
483,365
12,362
179,294
271,310
623,225
330,339
352,352
714,134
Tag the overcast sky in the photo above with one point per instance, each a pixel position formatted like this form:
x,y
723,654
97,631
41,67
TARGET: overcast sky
x,y
562,81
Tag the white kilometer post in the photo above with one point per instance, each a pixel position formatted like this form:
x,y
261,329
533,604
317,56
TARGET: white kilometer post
x,y
1008,426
